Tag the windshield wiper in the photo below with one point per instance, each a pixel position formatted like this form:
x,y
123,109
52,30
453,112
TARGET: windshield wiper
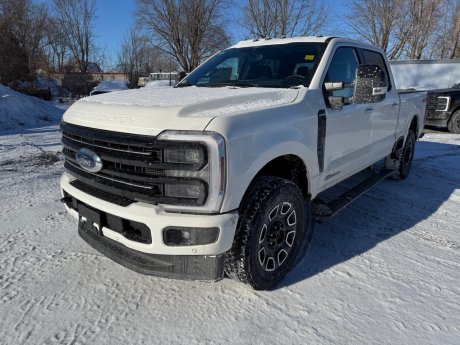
x,y
185,84
232,84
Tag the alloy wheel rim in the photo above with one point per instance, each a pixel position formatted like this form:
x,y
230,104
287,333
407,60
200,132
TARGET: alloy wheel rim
x,y
277,236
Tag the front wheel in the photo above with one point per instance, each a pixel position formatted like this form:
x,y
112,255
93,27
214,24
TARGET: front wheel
x,y
454,123
273,231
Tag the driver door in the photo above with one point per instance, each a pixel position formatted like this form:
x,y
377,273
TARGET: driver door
x,y
347,129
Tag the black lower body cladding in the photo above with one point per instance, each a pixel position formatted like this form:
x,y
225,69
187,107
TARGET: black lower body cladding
x,y
192,267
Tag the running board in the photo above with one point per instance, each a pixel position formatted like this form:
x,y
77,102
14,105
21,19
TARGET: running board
x,y
323,210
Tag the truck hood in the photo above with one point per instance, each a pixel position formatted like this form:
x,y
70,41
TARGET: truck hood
x,y
151,111
444,92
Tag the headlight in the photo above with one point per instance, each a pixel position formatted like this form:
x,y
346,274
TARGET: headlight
x,y
184,155
195,165
443,103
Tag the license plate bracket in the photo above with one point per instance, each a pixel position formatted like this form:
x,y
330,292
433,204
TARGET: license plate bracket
x,y
90,219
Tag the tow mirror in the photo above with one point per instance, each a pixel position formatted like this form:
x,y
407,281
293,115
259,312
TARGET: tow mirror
x,y
369,86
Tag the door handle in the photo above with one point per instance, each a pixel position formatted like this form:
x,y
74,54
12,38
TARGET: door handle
x,y
394,104
368,110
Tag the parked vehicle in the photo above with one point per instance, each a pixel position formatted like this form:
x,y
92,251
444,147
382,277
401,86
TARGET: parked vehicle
x,y
106,86
426,74
224,172
443,108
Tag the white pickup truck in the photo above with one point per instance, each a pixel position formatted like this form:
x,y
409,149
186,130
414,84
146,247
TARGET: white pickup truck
x,y
223,173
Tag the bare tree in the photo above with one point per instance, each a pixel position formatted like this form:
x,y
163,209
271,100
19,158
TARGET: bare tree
x,y
410,28
447,40
76,20
380,23
422,16
26,23
189,30
57,51
282,18
138,57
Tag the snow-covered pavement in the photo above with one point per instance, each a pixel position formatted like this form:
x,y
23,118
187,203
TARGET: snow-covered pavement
x,y
386,270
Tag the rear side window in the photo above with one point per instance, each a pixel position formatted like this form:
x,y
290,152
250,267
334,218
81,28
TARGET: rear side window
x,y
374,58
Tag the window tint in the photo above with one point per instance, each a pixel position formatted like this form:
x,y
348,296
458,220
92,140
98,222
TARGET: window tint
x,y
374,58
343,69
280,66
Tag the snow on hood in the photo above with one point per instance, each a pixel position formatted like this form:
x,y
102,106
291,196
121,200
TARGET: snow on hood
x,y
150,111
199,101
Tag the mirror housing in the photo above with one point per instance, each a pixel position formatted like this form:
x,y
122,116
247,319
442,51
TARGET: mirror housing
x,y
369,86
336,102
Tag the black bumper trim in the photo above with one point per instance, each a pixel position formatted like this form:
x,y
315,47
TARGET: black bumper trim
x,y
191,267
437,122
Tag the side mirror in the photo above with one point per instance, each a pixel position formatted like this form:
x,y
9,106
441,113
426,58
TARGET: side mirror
x,y
369,86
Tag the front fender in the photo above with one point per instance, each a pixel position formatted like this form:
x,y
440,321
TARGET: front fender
x,y
255,139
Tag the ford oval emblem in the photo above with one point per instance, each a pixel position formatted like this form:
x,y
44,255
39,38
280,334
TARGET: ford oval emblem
x,y
88,160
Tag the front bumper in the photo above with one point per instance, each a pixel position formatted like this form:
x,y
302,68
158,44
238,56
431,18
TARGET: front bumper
x,y
436,122
193,267
438,118
156,219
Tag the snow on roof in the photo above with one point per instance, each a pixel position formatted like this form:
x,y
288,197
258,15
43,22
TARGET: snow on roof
x,y
274,41
305,39
19,110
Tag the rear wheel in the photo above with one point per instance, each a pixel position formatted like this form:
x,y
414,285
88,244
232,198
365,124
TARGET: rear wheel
x,y
407,155
454,123
273,231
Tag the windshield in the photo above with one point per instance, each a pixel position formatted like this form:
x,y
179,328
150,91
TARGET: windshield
x,y
278,66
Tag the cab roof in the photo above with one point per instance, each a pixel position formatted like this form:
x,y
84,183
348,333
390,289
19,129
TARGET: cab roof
x,y
304,39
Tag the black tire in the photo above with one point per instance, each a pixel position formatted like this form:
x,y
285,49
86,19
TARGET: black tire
x,y
454,123
273,232
407,155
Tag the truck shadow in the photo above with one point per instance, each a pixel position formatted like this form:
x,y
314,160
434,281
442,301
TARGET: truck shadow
x,y
387,210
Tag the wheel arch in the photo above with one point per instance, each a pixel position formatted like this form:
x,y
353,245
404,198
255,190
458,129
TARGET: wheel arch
x,y
289,167
414,126
457,108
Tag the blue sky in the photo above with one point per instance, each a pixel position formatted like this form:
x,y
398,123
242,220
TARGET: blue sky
x,y
115,17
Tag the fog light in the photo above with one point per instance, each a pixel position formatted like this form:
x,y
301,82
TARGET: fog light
x,y
179,236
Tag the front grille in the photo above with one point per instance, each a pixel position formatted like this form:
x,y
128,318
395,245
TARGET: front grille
x,y
133,167
431,104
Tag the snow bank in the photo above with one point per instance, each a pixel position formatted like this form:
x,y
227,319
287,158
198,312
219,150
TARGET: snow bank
x,y
19,110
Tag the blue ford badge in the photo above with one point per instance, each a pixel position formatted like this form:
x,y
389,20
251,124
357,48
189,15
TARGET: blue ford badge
x,y
88,160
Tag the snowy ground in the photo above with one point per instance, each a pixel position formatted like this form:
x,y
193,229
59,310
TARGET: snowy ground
x,y
386,270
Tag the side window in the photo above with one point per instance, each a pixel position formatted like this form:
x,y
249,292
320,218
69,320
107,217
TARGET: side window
x,y
374,58
343,69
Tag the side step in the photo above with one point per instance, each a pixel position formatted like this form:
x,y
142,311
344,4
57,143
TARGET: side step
x,y
323,210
